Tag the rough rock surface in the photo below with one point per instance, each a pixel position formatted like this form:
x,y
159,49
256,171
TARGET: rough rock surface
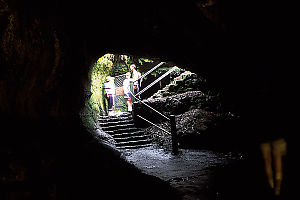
x,y
193,129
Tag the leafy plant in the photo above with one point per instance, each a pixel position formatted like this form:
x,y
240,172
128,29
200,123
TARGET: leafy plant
x,y
109,65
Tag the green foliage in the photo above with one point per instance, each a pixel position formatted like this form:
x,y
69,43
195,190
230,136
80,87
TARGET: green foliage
x,y
101,69
109,65
144,60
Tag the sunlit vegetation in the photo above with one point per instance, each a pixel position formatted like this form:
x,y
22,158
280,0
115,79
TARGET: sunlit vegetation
x,y
114,65
100,70
109,65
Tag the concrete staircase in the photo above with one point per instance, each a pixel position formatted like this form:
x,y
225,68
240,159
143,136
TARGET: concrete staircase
x,y
122,129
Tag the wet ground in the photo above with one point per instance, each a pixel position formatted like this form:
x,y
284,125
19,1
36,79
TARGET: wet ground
x,y
192,172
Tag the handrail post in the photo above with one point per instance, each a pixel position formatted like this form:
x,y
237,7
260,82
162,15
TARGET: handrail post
x,y
174,135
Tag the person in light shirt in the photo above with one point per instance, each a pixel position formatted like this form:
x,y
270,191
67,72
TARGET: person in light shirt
x,y
127,94
136,79
109,89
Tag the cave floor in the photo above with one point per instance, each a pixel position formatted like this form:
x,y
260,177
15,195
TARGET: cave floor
x,y
192,172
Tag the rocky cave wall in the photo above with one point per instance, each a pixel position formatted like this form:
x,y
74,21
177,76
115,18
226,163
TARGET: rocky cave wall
x,y
47,48
52,42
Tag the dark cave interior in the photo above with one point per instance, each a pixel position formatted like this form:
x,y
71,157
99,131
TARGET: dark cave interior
x,y
47,48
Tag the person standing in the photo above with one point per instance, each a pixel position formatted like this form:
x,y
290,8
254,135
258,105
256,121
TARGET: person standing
x,y
109,89
127,93
136,79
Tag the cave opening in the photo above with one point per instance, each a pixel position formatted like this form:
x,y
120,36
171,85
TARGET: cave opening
x,y
44,49
178,90
171,89
158,79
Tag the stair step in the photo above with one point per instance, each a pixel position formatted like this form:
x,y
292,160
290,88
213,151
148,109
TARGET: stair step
x,y
130,143
109,123
104,121
134,133
119,126
134,146
115,118
131,138
110,132
125,130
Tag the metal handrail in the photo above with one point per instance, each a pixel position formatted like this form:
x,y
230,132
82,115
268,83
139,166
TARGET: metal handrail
x,y
171,119
154,82
150,107
151,70
157,80
172,123
153,124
